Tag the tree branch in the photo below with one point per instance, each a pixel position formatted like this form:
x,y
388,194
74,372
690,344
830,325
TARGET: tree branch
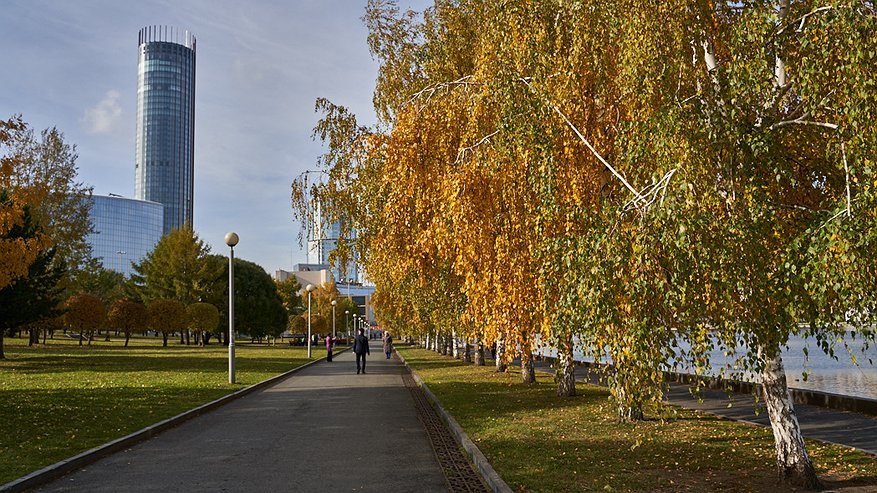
x,y
462,153
615,172
799,121
651,192
430,90
803,19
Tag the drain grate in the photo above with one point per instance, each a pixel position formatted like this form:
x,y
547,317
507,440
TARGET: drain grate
x,y
458,472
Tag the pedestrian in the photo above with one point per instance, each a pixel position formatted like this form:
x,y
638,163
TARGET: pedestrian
x,y
388,344
329,344
360,347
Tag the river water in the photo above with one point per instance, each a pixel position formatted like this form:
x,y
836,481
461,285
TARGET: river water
x,y
840,376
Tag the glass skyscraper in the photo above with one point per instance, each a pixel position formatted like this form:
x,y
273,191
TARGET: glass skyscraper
x,y
164,162
125,230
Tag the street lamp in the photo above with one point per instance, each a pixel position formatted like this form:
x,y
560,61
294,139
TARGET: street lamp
x,y
309,288
333,318
231,239
347,322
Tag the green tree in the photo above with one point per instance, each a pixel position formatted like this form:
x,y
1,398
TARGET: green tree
x,y
345,304
84,314
127,316
289,295
298,324
48,163
166,316
216,292
174,269
106,284
258,307
203,319
35,296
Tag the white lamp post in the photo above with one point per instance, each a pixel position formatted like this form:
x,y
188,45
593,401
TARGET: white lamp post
x,y
231,239
347,322
333,318
309,288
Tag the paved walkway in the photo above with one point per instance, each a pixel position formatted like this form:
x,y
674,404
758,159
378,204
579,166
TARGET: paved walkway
x,y
846,428
324,428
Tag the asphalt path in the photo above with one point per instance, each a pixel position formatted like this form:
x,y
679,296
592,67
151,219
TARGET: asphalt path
x,y
845,428
852,429
324,428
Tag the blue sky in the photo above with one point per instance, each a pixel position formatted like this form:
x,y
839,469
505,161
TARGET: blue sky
x,y
72,64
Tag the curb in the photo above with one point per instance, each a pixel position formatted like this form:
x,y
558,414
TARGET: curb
x,y
488,473
78,461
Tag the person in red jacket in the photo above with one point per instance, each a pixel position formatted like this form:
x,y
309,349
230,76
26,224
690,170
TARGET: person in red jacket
x,y
329,344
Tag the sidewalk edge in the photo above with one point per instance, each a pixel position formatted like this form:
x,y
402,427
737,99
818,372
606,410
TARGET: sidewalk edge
x,y
488,473
80,460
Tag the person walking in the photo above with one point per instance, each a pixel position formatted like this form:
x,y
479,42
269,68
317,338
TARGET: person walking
x,y
360,347
329,344
388,344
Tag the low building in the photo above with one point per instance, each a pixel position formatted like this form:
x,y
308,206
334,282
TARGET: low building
x,y
319,274
125,230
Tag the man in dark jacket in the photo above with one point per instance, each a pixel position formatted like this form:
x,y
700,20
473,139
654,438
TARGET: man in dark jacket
x,y
360,347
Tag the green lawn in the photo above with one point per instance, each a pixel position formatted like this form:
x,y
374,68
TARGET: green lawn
x,y
61,399
539,442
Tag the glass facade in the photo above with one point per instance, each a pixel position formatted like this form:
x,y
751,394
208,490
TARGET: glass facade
x,y
164,162
125,230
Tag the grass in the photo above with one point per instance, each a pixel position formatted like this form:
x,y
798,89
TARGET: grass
x,y
61,399
539,442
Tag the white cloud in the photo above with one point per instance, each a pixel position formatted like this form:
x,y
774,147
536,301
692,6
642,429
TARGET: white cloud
x,y
105,116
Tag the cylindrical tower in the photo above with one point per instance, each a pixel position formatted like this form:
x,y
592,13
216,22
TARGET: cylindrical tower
x,y
164,162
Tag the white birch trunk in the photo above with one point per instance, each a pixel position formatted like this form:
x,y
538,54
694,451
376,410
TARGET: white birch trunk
x,y
628,409
455,344
500,355
793,463
528,373
564,374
